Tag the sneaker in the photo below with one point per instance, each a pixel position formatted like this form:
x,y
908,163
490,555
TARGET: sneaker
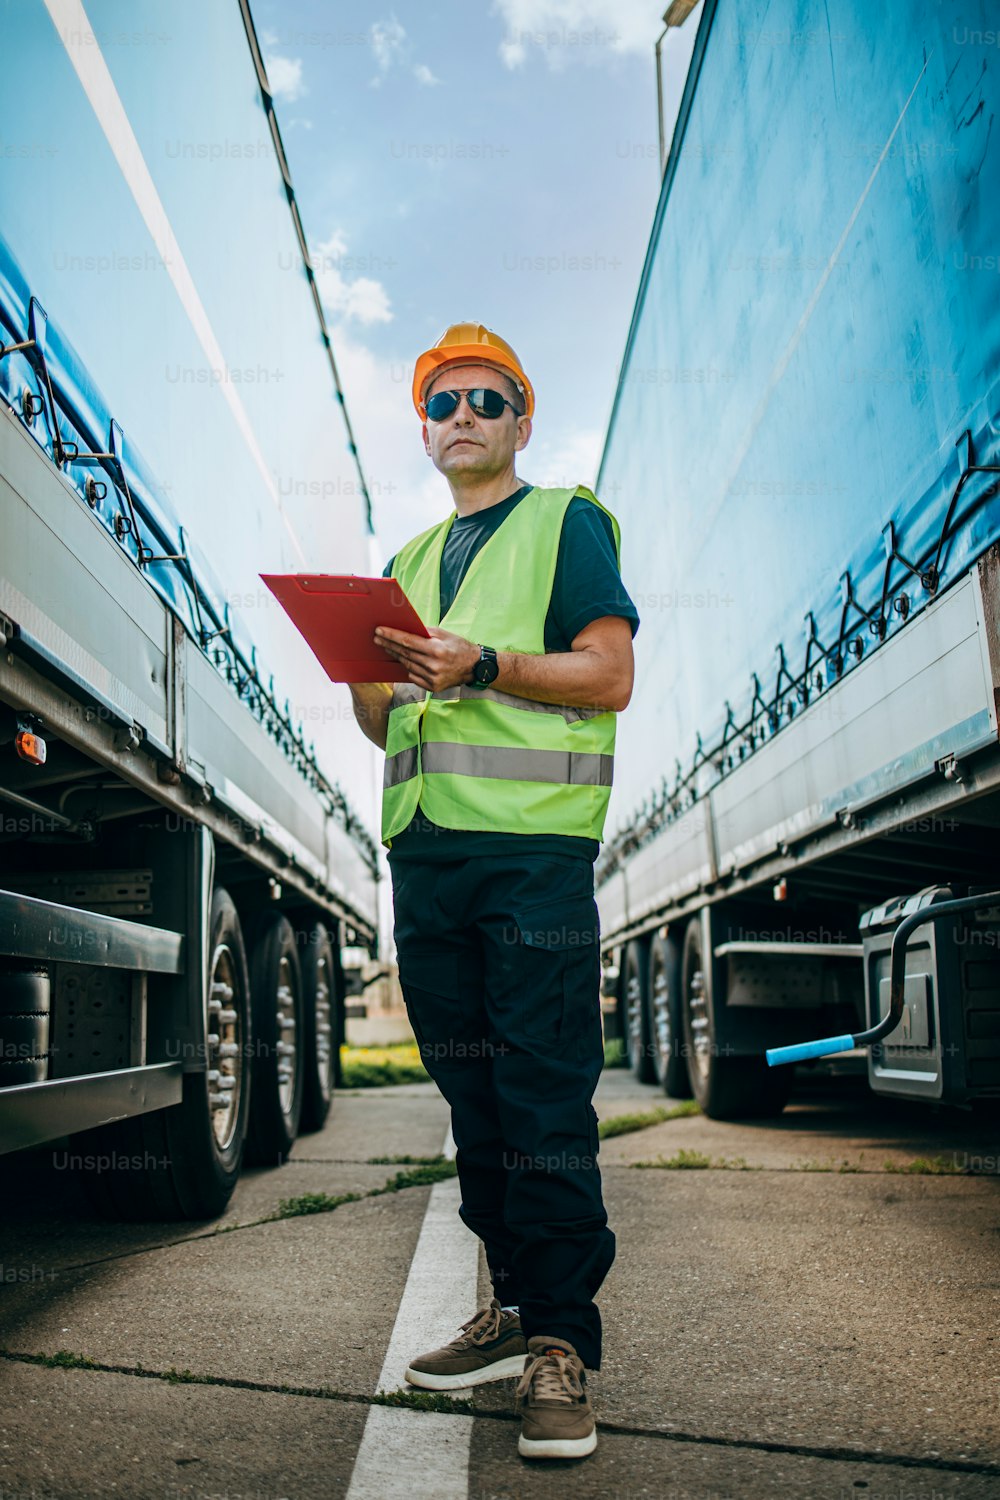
x,y
556,1419
490,1347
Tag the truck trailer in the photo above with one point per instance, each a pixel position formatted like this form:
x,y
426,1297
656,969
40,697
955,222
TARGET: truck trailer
x,y
804,451
185,843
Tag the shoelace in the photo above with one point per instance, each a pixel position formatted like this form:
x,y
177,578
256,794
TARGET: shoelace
x,y
485,1325
555,1379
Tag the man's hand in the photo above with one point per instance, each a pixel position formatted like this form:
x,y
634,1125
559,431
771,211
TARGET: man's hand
x,y
443,661
596,673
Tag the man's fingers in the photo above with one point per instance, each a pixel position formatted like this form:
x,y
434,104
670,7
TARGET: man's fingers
x,y
427,659
405,647
385,636
402,653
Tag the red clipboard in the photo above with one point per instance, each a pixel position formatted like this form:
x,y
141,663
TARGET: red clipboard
x,y
338,614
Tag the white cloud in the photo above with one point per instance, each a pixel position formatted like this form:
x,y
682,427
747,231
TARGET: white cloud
x,y
387,43
423,74
562,459
567,31
388,40
334,249
366,299
362,298
407,492
284,74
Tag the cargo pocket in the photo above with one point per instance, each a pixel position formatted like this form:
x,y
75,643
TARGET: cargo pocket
x,y
441,1008
559,942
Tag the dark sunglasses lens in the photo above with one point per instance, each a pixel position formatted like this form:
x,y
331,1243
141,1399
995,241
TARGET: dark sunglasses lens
x,y
486,403
441,405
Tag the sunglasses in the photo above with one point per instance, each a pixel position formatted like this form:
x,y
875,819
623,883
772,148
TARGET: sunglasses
x,y
482,402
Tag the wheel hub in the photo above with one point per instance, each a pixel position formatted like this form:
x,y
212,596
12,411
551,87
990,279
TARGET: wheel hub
x,y
662,1037
225,1047
633,1013
701,1042
324,1028
286,1037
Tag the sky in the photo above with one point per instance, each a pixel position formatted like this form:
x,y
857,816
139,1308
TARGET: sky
x,y
494,164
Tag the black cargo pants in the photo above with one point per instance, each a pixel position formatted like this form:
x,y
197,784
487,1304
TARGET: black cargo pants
x,y
500,970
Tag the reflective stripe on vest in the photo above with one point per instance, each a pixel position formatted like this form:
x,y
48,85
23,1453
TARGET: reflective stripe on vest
x,y
501,763
484,759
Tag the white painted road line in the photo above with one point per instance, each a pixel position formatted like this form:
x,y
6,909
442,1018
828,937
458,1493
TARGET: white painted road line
x,y
412,1455
440,1289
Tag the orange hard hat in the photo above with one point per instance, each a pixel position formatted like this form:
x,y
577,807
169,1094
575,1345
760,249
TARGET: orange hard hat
x,y
470,343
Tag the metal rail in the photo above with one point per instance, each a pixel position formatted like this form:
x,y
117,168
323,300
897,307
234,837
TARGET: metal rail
x,y
215,636
897,986
48,933
36,1113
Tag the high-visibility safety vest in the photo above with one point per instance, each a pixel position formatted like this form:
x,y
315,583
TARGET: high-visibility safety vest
x,y
482,759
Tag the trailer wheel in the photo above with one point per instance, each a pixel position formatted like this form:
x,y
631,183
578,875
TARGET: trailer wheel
x,y
278,1072
665,1017
726,1088
638,1042
320,1028
184,1162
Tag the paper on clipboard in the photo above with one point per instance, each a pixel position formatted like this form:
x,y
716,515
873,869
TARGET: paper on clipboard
x,y
338,614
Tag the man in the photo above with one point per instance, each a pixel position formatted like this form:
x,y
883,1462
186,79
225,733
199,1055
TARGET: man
x,y
499,751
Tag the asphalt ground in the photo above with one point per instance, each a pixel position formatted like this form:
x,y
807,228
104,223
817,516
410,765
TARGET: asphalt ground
x,y
806,1307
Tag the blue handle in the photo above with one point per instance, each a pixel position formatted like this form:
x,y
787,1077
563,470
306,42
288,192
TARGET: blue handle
x,y
777,1055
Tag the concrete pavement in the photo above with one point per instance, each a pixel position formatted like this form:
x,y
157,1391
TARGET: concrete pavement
x,y
798,1314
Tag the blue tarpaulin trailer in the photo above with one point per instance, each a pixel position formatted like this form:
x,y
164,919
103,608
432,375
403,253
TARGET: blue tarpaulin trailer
x,y
185,805
803,452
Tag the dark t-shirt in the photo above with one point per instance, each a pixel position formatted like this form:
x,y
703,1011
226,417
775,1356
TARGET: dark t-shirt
x,y
587,586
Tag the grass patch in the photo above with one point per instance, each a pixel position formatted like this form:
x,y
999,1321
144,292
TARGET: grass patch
x,y
828,1166
423,1176
429,1170
380,1067
423,1401
65,1359
642,1119
927,1166
682,1161
615,1052
314,1203
404,1161
920,1166
696,1161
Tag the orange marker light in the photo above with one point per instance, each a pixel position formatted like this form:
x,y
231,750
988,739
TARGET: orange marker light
x,y
30,747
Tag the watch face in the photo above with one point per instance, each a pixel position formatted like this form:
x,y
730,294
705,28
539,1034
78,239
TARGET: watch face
x,y
486,670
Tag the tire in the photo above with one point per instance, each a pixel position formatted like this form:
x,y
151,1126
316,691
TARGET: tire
x,y
320,1031
726,1088
278,1071
635,1012
663,989
184,1162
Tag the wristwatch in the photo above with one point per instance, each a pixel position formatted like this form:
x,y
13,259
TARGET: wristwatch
x,y
487,668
